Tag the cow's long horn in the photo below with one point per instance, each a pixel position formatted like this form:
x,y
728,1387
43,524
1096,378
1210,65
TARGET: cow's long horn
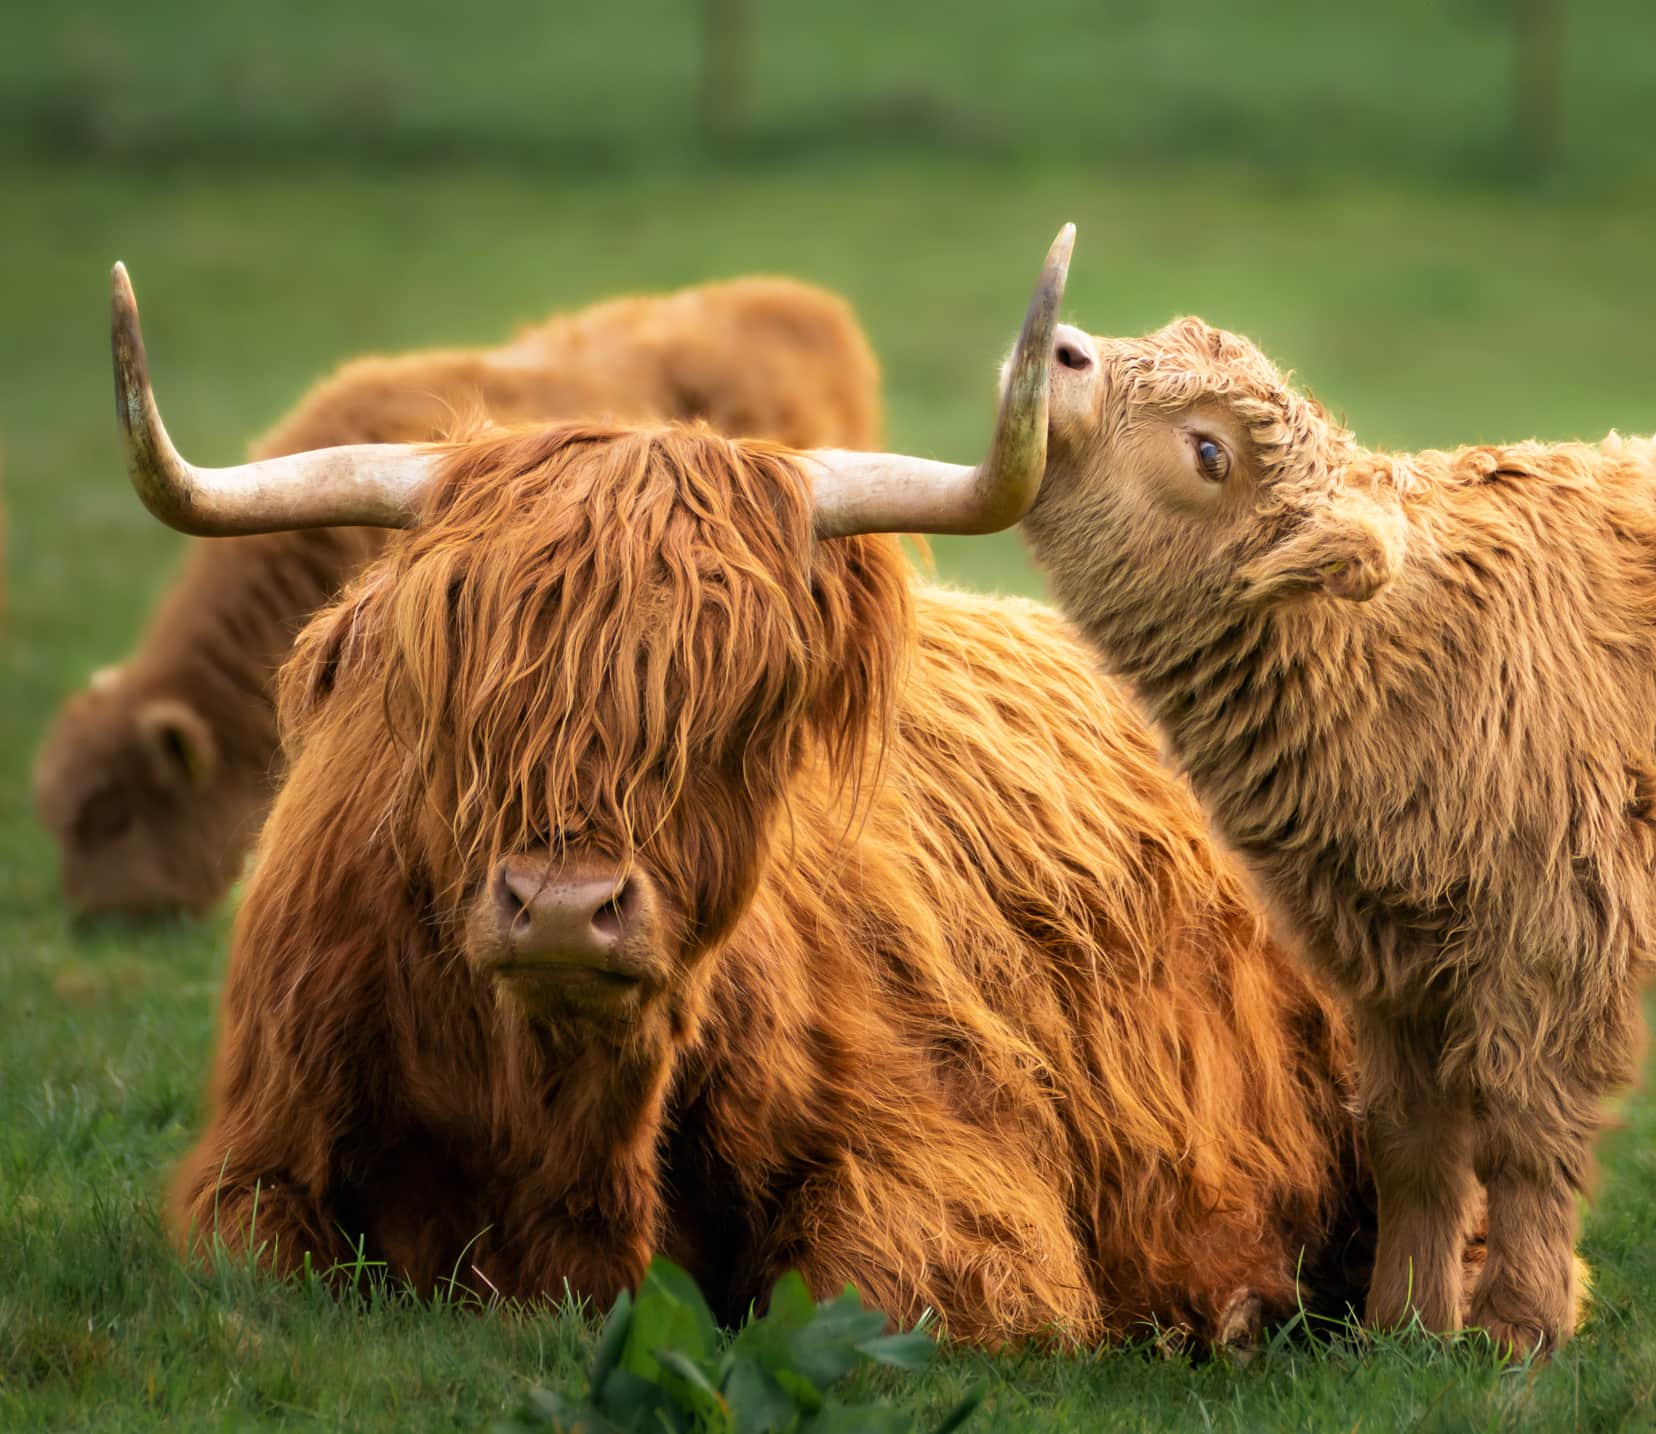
x,y
890,493
372,484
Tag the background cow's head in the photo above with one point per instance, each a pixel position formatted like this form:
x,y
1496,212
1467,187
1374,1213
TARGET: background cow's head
x,y
132,786
1188,480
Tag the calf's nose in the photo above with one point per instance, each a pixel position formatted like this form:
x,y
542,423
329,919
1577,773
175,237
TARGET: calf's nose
x,y
564,917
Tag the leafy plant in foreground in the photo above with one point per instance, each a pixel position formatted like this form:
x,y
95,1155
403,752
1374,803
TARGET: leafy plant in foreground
x,y
662,1364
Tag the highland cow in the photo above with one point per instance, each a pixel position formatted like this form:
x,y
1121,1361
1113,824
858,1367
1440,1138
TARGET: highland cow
x,y
660,868
155,778
1414,691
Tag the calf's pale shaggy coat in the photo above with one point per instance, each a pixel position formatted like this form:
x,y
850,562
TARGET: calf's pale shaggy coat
x,y
1418,693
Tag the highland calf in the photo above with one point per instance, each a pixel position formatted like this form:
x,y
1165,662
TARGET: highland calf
x,y
153,780
660,869
1415,692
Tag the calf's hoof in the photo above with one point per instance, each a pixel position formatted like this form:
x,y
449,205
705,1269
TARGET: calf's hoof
x,y
1442,1315
1520,1339
1517,1329
1534,1316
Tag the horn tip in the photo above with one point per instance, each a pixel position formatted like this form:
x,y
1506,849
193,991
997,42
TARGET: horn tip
x,y
126,347
121,298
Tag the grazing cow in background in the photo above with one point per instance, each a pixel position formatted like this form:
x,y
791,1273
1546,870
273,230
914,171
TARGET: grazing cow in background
x,y
659,868
153,780
1415,692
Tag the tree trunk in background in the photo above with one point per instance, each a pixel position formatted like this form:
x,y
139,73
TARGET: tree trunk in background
x,y
1540,93
727,67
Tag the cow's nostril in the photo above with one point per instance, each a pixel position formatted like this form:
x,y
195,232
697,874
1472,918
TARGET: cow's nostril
x,y
1073,356
610,918
512,906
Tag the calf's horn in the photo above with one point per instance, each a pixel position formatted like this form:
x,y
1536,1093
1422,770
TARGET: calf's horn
x,y
381,484
889,493
373,484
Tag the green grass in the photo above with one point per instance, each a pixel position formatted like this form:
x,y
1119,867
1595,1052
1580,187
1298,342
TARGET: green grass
x,y
1289,88
1428,316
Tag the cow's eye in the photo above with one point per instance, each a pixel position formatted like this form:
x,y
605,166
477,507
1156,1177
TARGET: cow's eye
x,y
1212,459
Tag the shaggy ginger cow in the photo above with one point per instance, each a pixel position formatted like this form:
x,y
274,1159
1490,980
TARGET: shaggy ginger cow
x,y
1415,691
653,875
154,780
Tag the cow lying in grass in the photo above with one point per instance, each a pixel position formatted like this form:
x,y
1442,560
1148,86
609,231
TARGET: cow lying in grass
x,y
660,868
1415,691
153,781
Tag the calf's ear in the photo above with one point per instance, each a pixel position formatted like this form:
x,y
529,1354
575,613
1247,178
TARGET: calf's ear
x,y
1349,550
178,742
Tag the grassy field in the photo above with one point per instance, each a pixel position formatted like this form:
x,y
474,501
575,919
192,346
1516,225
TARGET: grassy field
x,y
1290,90
1428,315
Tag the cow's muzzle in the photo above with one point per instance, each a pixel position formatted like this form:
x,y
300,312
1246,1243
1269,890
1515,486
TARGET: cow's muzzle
x,y
575,922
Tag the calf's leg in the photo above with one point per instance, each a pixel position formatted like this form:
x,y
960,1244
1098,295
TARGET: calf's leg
x,y
1420,1145
1532,1159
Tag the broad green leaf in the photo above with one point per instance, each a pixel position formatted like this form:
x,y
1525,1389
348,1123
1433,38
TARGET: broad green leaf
x,y
825,1349
765,1337
669,1313
910,1351
790,1304
801,1388
687,1384
758,1404
613,1339
667,1277
634,1402
661,1366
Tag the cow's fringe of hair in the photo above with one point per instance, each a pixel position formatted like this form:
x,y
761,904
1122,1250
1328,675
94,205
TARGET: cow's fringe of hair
x,y
671,569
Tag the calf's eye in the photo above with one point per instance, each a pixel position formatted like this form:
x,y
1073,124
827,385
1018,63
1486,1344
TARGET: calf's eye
x,y
1212,460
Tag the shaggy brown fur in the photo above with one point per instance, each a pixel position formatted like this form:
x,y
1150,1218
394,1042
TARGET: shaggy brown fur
x,y
153,781
1415,690
956,1000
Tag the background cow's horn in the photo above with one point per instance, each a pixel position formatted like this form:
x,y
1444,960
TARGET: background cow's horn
x,y
371,484
889,493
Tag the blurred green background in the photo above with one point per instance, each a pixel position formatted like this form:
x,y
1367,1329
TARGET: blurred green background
x,y
1441,215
